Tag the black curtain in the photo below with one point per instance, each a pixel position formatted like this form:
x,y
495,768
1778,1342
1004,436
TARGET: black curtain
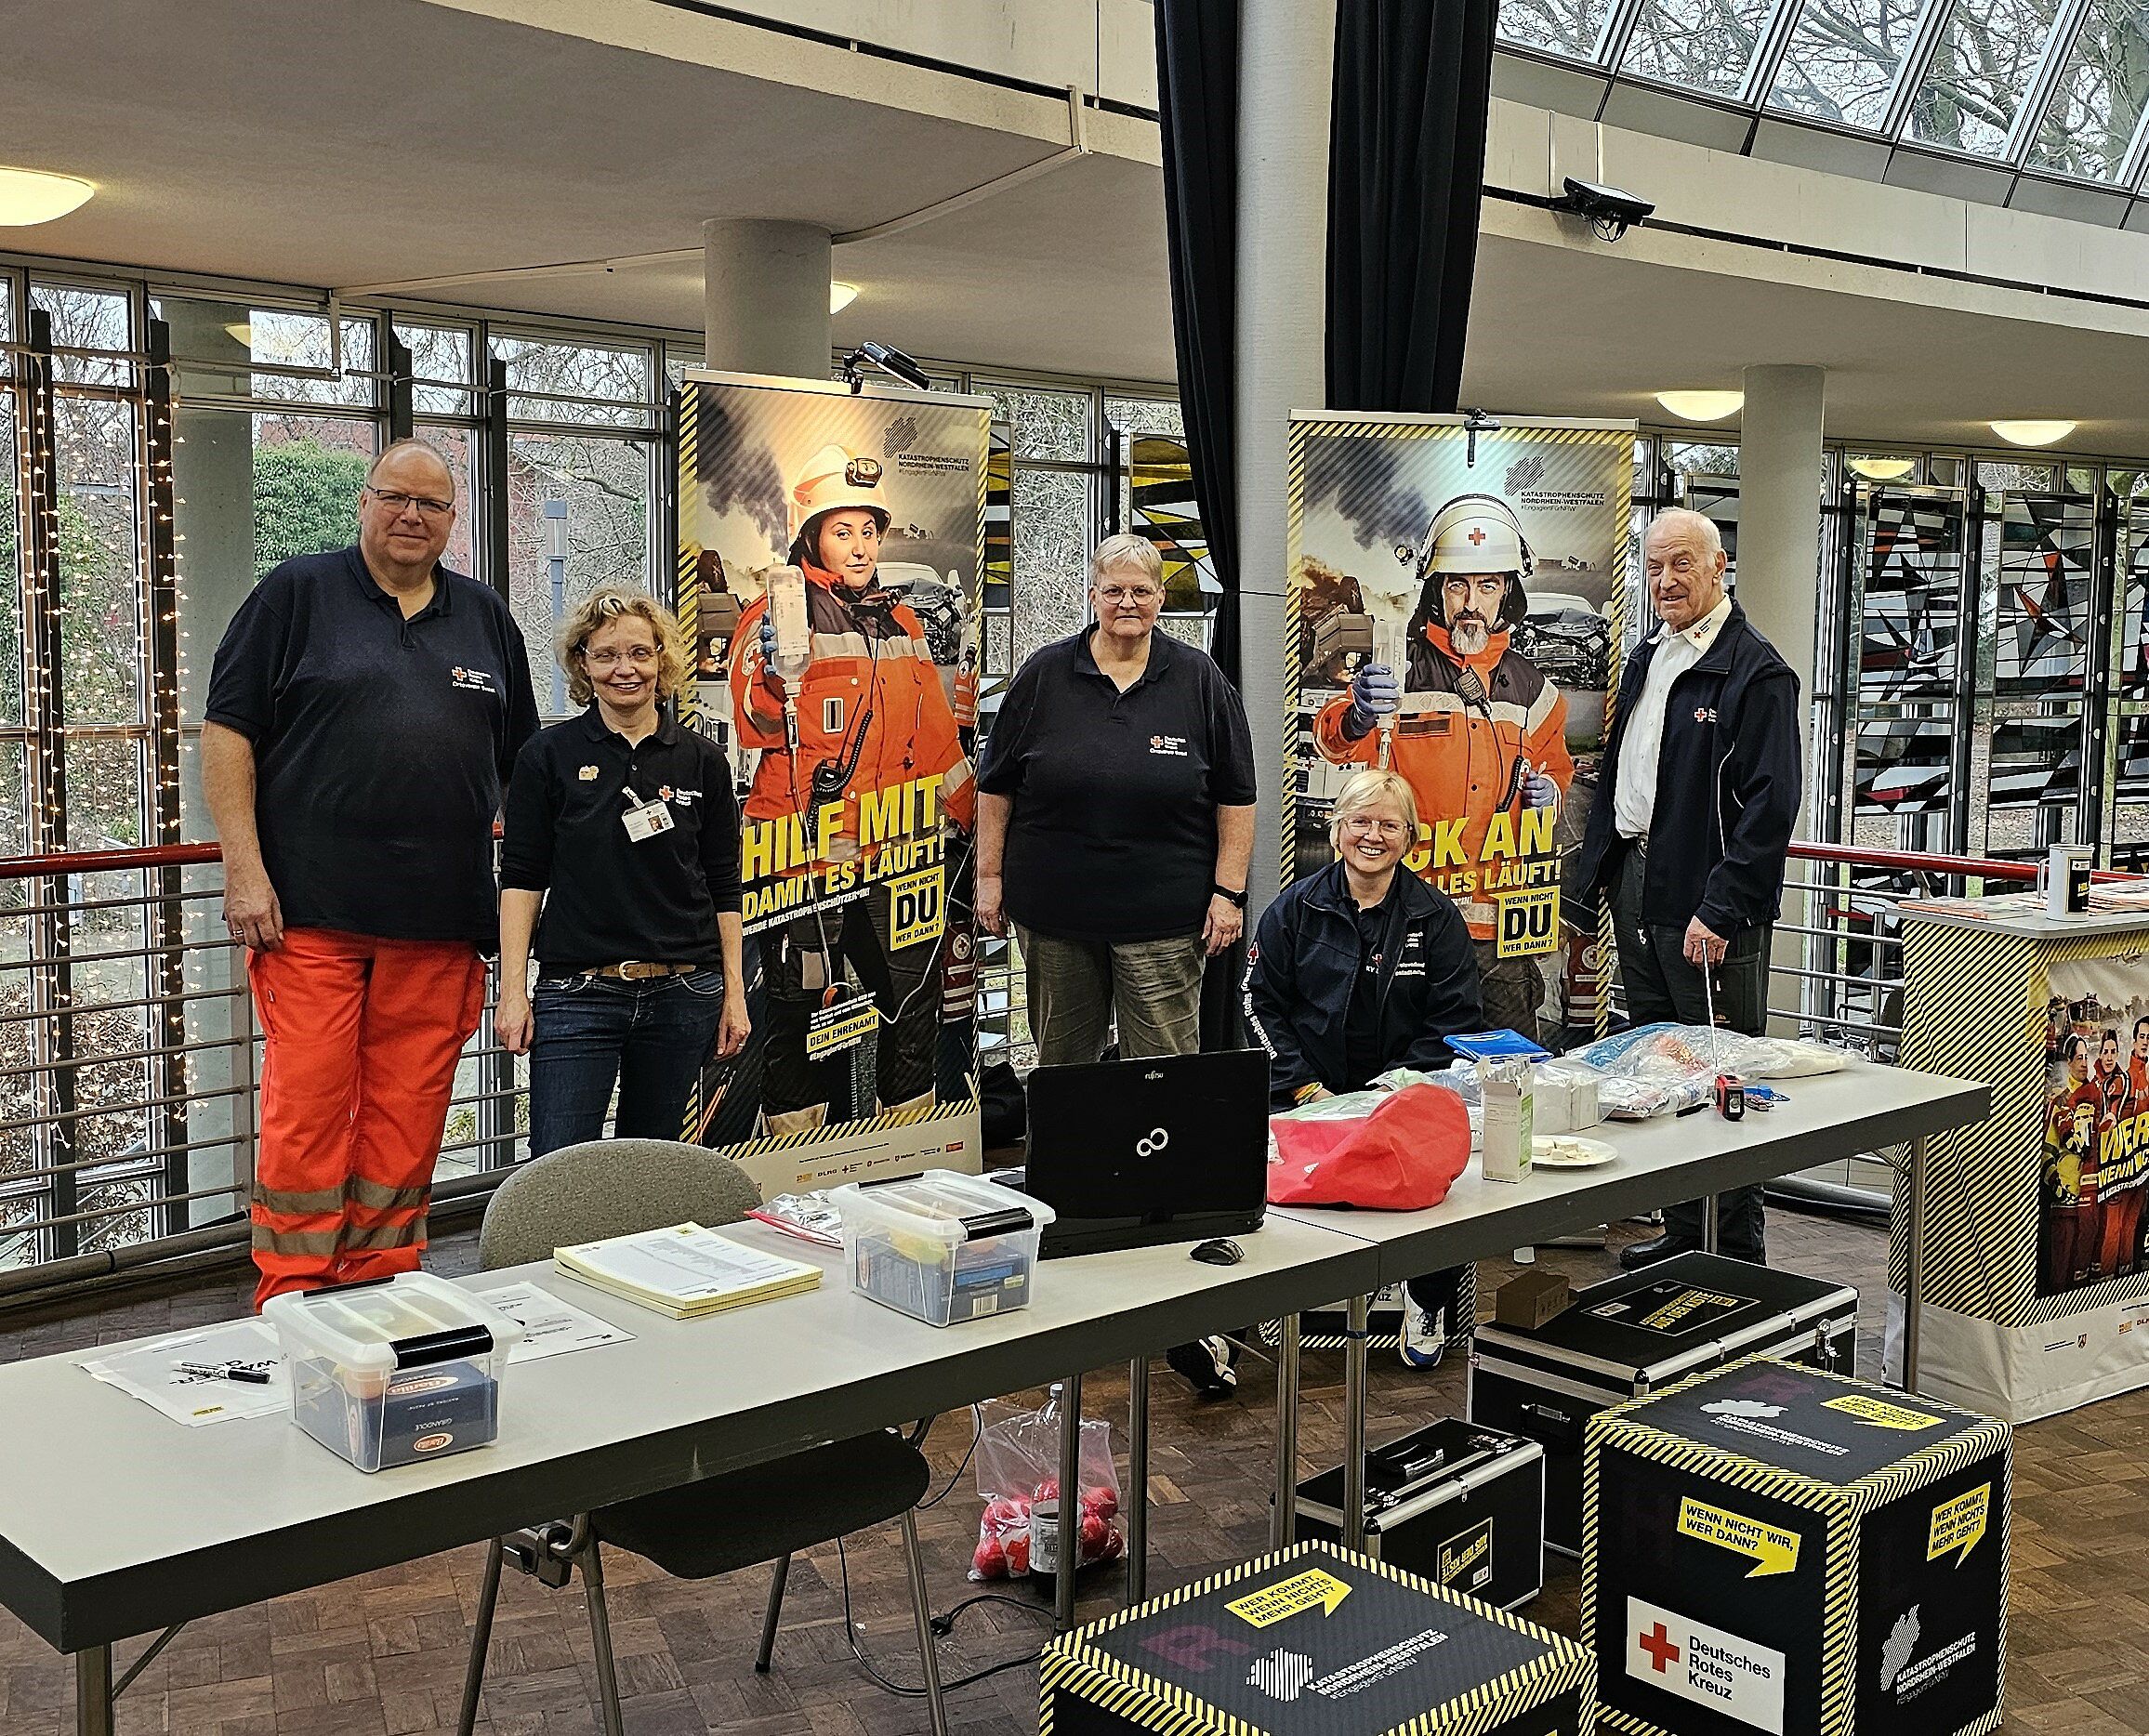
x,y
1406,157
1197,100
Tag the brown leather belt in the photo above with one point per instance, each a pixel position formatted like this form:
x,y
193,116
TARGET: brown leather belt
x,y
639,970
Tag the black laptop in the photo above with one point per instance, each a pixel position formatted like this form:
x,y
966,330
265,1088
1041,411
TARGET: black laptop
x,y
1129,1153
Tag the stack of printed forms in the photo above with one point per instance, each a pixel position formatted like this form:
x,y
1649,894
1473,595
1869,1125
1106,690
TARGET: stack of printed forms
x,y
685,1271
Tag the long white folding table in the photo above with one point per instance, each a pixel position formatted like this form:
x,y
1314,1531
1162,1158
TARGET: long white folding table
x,y
114,1521
1828,1117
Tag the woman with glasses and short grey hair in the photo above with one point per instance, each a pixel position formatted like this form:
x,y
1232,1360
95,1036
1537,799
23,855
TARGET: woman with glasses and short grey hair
x,y
1116,824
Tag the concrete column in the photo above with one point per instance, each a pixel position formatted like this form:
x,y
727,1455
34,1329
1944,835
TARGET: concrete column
x,y
1286,57
1779,511
1779,586
766,297
213,478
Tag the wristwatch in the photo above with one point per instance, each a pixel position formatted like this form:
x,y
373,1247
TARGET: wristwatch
x,y
1225,892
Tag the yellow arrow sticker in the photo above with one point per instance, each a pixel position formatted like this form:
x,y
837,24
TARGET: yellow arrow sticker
x,y
1774,1551
1881,1414
1958,1524
1270,1605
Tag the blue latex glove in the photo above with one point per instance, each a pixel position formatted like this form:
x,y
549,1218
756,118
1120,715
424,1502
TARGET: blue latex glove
x,y
1374,693
1538,790
769,673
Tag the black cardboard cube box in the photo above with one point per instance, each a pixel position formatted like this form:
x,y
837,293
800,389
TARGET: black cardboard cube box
x,y
1640,1333
1771,1546
1313,1641
1462,1505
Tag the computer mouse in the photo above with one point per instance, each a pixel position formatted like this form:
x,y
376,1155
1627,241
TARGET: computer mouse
x,y
1219,1253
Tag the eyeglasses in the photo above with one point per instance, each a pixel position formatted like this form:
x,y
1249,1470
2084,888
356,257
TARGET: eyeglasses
x,y
397,503
1361,825
642,656
1128,593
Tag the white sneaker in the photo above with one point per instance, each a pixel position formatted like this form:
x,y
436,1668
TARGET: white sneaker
x,y
1424,1338
1208,1363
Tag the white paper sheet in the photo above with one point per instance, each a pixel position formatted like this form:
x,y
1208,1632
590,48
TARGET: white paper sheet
x,y
149,1371
550,1327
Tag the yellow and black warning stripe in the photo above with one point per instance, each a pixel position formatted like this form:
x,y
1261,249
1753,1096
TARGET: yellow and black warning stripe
x,y
1844,1506
1981,1252
1072,1665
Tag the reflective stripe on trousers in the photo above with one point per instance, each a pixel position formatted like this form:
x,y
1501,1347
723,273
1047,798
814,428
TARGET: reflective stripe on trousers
x,y
362,1037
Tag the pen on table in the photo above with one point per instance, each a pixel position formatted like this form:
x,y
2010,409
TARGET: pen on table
x,y
249,1377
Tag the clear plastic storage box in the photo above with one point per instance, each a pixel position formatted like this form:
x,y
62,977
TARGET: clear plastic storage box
x,y
941,1247
391,1373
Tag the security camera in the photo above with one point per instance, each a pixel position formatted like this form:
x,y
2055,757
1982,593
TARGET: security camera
x,y
889,360
1611,211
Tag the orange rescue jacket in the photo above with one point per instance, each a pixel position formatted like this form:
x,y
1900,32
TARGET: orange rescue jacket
x,y
872,673
1459,758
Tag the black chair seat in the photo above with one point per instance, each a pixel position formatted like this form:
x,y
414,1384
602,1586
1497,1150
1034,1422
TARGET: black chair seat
x,y
768,1511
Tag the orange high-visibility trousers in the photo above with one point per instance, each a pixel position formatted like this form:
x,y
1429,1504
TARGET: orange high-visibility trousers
x,y
361,1036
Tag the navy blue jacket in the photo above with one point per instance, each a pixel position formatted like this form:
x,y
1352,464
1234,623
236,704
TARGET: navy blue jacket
x,y
1727,786
1305,958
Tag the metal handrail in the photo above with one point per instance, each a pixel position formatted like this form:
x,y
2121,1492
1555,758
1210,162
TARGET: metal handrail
x,y
1912,862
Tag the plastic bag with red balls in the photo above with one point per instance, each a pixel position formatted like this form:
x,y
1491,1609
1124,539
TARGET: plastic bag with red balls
x,y
1018,1470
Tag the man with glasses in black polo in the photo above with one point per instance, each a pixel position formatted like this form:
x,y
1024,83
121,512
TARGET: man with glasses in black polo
x,y
364,711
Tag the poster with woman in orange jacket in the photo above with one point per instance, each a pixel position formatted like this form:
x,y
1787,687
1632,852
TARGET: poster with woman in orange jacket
x,y
846,529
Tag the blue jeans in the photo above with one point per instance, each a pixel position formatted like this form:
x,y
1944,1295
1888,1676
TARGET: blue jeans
x,y
651,1038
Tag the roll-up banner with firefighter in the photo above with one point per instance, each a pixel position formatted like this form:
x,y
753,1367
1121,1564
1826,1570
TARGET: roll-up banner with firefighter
x,y
830,550
2096,1133
1452,615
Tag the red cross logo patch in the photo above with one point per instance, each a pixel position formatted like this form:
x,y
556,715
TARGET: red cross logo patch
x,y
1477,534
1658,1645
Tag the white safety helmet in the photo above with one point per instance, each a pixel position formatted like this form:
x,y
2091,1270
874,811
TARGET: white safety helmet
x,y
1475,534
831,481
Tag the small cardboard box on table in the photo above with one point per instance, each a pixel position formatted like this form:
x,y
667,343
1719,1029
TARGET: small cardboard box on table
x,y
1314,1641
1771,1546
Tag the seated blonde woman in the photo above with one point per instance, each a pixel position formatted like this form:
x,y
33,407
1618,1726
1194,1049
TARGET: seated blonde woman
x,y
1361,966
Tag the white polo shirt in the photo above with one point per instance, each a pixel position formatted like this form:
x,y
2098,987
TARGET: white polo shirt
x,y
1635,804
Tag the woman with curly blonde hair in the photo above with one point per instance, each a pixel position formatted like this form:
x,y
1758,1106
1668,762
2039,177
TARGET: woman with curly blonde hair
x,y
620,859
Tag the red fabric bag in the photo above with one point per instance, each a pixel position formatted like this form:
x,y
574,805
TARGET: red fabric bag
x,y
1402,1158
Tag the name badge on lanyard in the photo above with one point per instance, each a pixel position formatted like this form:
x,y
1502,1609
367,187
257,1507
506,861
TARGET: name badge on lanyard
x,y
644,820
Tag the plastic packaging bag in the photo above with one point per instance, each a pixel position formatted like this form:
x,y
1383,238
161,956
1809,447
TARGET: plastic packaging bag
x,y
1677,1052
1018,1473
1401,1156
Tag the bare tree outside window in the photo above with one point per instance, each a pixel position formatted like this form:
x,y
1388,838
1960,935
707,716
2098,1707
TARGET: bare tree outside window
x,y
2093,114
1564,27
1705,44
1844,59
1987,53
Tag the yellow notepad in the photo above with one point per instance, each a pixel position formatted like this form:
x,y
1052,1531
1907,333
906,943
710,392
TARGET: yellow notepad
x,y
685,1271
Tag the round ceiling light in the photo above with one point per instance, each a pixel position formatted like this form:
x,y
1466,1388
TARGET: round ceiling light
x,y
29,196
2033,433
840,295
1702,406
1882,467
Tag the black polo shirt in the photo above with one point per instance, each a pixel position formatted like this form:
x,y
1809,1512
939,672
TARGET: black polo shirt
x,y
1113,835
380,745
611,899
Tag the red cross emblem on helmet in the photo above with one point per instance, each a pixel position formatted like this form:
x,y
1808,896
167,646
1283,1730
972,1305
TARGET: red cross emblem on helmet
x,y
1477,534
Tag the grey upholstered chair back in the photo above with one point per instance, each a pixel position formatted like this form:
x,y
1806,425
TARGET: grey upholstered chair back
x,y
609,1188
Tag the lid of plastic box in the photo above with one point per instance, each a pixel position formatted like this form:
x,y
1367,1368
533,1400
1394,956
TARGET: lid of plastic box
x,y
1829,1430
409,1320
944,1206
1314,1642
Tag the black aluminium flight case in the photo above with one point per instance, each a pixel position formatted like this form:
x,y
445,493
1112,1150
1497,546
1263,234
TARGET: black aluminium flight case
x,y
1640,1333
1459,1504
